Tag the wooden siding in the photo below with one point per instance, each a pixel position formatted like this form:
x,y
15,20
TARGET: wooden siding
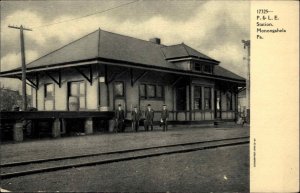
x,y
102,94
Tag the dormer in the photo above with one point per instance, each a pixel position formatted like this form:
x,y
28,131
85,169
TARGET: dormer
x,y
202,66
187,58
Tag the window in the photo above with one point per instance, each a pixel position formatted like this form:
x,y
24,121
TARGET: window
x,y
207,98
229,101
197,98
74,89
159,91
197,66
143,91
49,96
77,89
81,88
207,69
203,67
119,89
49,91
151,91
81,95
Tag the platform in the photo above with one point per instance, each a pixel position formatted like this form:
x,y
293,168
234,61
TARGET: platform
x,y
99,142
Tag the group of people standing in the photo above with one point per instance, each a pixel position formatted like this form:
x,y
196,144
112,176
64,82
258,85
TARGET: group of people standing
x,y
136,117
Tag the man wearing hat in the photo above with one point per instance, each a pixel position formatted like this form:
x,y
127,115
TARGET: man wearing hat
x,y
120,118
164,117
136,116
149,115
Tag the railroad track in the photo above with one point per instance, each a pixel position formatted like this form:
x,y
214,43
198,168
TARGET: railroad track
x,y
15,169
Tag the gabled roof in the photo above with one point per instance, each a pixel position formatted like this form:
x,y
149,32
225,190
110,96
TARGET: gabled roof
x,y
101,45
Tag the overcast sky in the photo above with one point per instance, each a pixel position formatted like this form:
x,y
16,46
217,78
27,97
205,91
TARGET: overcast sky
x,y
215,28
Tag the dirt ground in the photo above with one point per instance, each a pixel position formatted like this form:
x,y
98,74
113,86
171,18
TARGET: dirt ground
x,y
223,169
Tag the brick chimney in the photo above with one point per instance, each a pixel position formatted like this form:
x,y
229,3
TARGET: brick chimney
x,y
155,40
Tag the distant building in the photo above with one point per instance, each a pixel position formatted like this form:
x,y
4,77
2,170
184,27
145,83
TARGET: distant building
x,y
103,69
11,98
242,101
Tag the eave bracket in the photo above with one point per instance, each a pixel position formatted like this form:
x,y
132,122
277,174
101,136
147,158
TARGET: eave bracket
x,y
89,76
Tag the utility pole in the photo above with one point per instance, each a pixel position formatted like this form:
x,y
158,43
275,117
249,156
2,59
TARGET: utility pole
x,y
24,95
247,46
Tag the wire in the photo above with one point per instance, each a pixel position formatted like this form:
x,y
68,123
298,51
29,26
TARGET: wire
x,y
87,15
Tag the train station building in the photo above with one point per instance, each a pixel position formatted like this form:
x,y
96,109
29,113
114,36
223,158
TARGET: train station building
x,y
103,69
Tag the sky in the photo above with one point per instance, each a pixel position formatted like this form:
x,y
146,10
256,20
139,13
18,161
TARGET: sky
x,y
214,28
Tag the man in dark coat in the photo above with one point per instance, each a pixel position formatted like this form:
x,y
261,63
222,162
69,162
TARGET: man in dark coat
x,y
149,115
120,118
164,118
136,116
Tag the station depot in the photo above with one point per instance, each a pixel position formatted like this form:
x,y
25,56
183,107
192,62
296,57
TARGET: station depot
x,y
84,81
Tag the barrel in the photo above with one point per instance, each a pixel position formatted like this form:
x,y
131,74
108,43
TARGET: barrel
x,y
111,125
56,128
16,108
88,126
18,131
73,103
103,108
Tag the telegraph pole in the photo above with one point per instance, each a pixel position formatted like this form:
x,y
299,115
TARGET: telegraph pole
x,y
24,95
247,46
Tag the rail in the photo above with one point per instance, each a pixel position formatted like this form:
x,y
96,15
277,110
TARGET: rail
x,y
16,169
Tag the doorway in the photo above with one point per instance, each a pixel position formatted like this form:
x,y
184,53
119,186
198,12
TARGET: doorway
x,y
181,99
76,95
119,95
218,106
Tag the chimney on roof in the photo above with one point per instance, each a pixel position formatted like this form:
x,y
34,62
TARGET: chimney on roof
x,y
155,40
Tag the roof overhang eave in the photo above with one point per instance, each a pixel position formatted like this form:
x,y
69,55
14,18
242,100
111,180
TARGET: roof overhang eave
x,y
169,70
192,58
14,73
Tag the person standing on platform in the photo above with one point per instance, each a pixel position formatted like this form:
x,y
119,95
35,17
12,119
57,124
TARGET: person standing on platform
x,y
164,118
136,116
149,115
120,118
